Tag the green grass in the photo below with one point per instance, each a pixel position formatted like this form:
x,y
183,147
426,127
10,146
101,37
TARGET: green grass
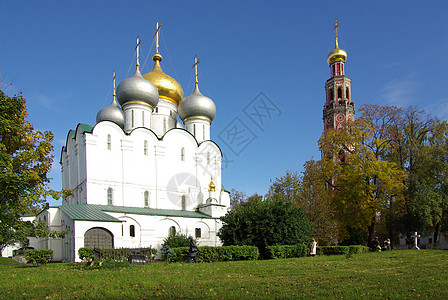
x,y
391,275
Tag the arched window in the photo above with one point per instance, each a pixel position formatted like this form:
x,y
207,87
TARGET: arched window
x,y
347,93
109,196
182,154
184,202
145,147
172,231
109,142
197,232
157,109
132,230
146,198
339,92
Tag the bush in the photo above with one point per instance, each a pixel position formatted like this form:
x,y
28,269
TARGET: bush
x,y
177,240
214,254
86,253
355,249
286,251
41,256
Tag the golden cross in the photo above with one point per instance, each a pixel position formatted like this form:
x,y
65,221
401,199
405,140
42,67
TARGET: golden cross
x,y
335,28
156,35
195,66
136,50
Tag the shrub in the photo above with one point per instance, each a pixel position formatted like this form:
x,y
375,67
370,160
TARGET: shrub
x,y
86,253
332,250
41,256
355,249
214,254
286,251
177,240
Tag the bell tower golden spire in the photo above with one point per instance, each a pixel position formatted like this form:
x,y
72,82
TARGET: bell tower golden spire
x,y
195,66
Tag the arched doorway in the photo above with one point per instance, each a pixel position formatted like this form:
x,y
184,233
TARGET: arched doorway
x,y
98,237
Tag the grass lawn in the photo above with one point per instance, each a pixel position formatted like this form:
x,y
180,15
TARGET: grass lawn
x,y
384,275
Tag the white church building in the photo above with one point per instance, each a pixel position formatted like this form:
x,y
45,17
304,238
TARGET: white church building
x,y
138,175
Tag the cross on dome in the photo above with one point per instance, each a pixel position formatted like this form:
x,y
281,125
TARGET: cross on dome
x,y
335,28
114,94
137,51
195,66
156,35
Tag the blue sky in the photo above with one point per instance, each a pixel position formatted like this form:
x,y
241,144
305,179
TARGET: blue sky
x,y
61,55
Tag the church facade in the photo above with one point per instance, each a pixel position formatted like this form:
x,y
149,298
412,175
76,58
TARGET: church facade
x,y
138,175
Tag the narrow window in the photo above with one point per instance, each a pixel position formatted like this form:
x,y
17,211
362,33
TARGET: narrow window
x,y
194,130
122,230
132,230
109,142
157,109
184,202
164,125
132,118
331,94
182,154
109,196
203,132
208,158
172,231
339,92
197,232
347,93
146,199
145,147
143,118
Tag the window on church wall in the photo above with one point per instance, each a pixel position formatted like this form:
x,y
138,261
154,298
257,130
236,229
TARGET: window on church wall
x,y
132,231
338,69
184,202
143,118
203,132
109,196
342,69
347,93
145,147
146,198
122,230
164,124
182,154
172,231
109,142
194,129
197,232
331,94
157,109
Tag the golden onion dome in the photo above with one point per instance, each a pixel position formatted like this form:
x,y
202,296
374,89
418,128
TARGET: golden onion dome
x,y
167,86
337,54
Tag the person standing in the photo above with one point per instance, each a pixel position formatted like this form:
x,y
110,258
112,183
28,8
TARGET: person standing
x,y
193,250
312,248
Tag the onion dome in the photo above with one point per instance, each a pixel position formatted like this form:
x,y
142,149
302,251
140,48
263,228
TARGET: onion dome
x,y
111,113
137,89
167,86
197,106
211,186
337,54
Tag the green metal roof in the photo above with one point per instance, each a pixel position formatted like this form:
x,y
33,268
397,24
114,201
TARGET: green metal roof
x,y
87,212
93,212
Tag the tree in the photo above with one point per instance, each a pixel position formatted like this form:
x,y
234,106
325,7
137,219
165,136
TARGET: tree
x,y
25,161
236,199
365,186
264,222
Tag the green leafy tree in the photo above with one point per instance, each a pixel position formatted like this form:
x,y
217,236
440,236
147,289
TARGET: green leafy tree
x,y
25,161
365,185
265,222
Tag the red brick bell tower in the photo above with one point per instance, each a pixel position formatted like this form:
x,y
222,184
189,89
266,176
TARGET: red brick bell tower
x,y
339,109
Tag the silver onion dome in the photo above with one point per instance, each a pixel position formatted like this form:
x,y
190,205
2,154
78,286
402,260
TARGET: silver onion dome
x,y
111,113
197,105
137,88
